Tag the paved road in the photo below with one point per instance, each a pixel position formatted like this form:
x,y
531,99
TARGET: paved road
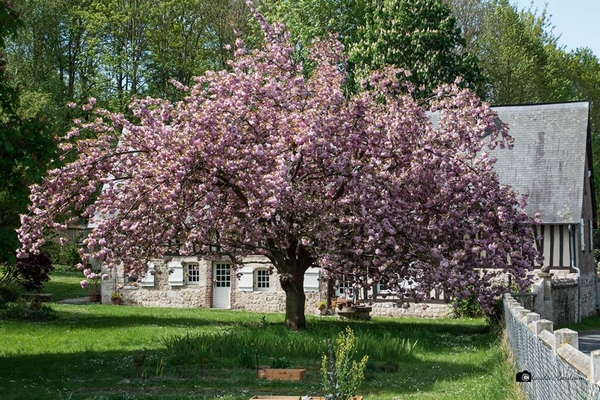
x,y
589,341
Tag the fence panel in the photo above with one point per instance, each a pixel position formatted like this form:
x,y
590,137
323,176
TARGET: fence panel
x,y
552,378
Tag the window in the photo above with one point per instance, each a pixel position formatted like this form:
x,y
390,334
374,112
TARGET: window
x,y
222,275
344,289
148,279
383,287
262,279
193,273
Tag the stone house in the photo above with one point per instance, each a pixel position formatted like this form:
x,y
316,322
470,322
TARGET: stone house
x,y
551,163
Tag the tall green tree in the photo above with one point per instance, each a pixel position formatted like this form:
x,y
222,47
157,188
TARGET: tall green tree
x,y
179,30
469,16
114,50
26,148
511,50
417,35
311,19
45,59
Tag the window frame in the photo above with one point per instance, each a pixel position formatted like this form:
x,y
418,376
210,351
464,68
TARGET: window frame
x,y
266,278
192,275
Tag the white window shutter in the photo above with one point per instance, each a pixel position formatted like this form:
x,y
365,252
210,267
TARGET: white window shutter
x,y
311,279
246,281
148,280
175,269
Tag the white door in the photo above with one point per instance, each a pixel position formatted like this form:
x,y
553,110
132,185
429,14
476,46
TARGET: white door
x,y
222,285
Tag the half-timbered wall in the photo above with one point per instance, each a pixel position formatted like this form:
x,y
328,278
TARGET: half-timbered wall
x,y
554,242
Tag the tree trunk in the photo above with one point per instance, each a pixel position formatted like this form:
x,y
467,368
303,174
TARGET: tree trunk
x,y
293,285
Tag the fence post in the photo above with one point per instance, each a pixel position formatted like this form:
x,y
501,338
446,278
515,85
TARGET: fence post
x,y
530,318
595,366
542,325
547,311
566,336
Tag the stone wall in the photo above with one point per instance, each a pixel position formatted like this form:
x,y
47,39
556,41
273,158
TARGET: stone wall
x,y
274,301
557,297
199,295
419,310
162,294
565,300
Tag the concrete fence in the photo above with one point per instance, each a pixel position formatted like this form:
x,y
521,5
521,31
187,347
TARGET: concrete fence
x,y
549,362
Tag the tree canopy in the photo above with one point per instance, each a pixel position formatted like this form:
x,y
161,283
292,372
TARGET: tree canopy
x,y
26,148
260,159
417,35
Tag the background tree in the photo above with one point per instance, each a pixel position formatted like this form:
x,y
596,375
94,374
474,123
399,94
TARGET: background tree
x,y
418,35
469,16
511,50
177,50
25,147
115,50
262,160
45,59
311,19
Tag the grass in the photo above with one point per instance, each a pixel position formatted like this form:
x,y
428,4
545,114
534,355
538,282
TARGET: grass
x,y
108,352
64,283
590,323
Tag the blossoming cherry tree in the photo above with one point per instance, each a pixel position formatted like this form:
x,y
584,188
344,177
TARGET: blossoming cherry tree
x,y
264,158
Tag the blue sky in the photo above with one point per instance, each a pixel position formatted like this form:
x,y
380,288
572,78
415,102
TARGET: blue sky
x,y
576,21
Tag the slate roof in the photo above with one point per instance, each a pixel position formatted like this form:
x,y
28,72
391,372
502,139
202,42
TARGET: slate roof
x,y
547,162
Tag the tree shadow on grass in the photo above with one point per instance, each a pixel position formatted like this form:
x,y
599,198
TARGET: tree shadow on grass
x,y
438,357
115,375
105,316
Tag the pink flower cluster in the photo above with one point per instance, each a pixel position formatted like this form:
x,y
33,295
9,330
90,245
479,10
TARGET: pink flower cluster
x,y
92,280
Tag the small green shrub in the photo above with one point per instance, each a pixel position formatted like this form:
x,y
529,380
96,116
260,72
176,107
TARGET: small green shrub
x,y
387,347
280,362
65,254
248,358
468,308
342,375
8,293
27,311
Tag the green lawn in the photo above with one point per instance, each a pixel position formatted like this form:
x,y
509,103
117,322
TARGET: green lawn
x,y
64,283
120,352
591,323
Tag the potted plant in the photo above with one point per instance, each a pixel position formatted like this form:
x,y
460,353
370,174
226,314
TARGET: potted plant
x,y
343,304
115,298
322,306
92,282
